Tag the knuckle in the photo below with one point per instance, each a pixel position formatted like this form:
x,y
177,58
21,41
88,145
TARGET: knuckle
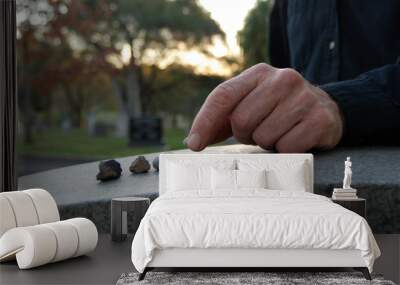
x,y
290,76
223,93
304,103
325,118
262,67
305,97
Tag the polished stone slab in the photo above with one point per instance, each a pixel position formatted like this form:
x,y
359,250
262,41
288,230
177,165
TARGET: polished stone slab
x,y
376,175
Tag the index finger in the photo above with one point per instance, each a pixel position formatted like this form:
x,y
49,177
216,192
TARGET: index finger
x,y
211,120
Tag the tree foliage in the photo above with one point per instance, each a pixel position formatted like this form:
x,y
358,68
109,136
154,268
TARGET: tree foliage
x,y
153,30
51,57
73,49
180,90
253,38
161,24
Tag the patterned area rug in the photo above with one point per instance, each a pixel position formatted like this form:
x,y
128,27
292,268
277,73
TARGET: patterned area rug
x,y
269,278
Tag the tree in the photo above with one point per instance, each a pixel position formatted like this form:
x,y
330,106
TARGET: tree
x,y
55,27
86,38
153,30
180,84
31,17
253,38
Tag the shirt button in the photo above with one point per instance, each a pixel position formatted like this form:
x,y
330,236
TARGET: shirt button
x,y
331,45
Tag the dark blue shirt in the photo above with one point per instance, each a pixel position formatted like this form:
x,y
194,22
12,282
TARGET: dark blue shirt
x,y
349,48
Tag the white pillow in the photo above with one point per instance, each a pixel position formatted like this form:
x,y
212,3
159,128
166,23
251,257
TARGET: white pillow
x,y
223,179
230,180
288,177
184,174
281,174
251,178
188,177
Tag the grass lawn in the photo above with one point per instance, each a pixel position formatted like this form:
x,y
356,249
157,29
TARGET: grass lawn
x,y
78,144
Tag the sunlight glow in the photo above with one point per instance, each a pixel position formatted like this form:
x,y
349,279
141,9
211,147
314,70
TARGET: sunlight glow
x,y
230,15
126,54
230,18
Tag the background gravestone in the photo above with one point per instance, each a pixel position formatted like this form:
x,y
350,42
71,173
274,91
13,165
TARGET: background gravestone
x,y
145,131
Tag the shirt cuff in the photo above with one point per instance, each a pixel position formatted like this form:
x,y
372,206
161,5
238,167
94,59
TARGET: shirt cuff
x,y
366,110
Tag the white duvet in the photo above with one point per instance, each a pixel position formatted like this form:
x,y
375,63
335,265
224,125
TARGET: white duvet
x,y
250,219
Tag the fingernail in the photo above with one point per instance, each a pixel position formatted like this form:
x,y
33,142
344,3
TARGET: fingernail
x,y
192,141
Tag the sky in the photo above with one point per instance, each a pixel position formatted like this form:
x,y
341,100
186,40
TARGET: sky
x,y
230,15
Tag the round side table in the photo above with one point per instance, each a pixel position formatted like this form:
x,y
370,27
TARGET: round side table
x,y
126,214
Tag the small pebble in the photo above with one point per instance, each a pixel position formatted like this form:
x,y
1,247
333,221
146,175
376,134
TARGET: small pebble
x,y
109,170
140,165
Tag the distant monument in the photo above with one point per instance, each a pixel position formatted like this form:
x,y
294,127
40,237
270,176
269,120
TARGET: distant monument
x,y
146,131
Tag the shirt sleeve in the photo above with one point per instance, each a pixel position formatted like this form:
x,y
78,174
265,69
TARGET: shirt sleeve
x,y
278,41
370,106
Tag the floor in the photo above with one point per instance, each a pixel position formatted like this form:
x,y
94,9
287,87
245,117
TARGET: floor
x,y
389,262
110,260
103,266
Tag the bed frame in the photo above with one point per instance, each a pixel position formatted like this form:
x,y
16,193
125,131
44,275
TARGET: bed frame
x,y
237,259
249,259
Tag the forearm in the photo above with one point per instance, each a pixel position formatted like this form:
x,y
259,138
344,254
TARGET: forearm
x,y
370,105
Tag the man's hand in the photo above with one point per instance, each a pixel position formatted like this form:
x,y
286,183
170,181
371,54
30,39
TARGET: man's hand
x,y
270,107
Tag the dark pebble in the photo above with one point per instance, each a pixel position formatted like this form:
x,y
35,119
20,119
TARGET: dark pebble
x,y
109,170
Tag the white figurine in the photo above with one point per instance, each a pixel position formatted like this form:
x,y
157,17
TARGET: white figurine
x,y
347,174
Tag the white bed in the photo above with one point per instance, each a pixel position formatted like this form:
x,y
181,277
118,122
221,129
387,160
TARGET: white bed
x,y
202,220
